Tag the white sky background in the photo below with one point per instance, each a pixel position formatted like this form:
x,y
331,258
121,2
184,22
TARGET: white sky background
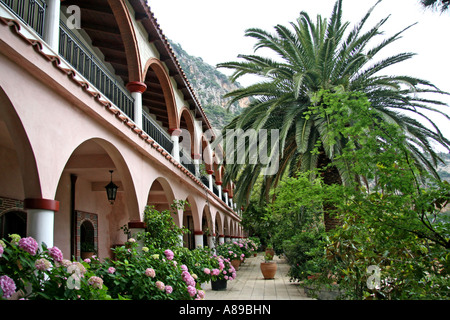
x,y
214,30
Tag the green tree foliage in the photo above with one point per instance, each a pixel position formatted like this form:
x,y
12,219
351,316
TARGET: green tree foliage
x,y
393,213
324,54
161,230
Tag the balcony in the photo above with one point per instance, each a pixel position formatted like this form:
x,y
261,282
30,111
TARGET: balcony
x,y
81,57
84,61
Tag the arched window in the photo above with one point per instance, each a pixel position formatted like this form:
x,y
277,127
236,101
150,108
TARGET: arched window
x,y
13,222
87,236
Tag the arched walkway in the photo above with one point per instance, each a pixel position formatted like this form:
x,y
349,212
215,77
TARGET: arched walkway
x,y
82,195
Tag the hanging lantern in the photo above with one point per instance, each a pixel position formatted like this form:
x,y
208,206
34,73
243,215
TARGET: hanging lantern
x,y
111,190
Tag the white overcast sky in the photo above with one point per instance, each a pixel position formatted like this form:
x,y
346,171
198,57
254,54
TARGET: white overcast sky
x,y
214,30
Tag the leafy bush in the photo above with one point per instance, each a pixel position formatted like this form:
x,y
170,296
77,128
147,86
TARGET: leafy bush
x,y
305,253
29,273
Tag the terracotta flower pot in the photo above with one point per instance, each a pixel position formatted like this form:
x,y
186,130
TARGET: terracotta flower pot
x,y
268,269
236,263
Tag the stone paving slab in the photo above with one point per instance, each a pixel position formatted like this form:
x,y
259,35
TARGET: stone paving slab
x,y
251,285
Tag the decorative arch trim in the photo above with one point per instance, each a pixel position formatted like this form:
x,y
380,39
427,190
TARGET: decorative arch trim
x,y
167,88
130,43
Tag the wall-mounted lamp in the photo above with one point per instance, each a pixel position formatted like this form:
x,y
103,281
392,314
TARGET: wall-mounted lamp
x,y
111,190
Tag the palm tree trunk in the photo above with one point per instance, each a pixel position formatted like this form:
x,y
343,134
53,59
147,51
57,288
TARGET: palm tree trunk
x,y
330,175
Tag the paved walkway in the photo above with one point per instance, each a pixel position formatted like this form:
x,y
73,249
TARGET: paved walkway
x,y
251,285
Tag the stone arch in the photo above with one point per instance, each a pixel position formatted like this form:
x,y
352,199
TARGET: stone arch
x,y
187,123
19,176
226,227
207,154
207,225
161,197
191,221
125,24
159,97
160,194
81,193
219,227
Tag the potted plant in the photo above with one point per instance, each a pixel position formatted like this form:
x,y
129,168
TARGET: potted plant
x,y
268,267
270,250
221,273
87,250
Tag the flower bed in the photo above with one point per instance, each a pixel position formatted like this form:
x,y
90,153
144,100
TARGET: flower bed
x,y
138,274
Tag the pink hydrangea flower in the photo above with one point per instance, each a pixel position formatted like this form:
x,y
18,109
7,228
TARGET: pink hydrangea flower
x,y
56,254
169,289
96,282
207,271
201,294
215,272
169,254
160,285
42,264
191,290
111,270
29,245
66,262
149,272
8,286
187,278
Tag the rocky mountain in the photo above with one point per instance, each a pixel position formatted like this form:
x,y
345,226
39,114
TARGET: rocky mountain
x,y
444,169
209,85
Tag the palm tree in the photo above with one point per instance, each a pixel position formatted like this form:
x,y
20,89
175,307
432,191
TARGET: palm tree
x,y
311,57
442,5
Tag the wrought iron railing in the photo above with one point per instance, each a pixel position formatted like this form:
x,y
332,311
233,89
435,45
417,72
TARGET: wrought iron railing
x,y
84,61
205,181
152,129
215,190
31,12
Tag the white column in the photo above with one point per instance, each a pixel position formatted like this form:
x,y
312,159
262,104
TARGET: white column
x,y
198,238
51,24
176,147
221,238
137,96
219,187
226,197
41,220
136,89
197,166
40,225
211,242
210,180
175,136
